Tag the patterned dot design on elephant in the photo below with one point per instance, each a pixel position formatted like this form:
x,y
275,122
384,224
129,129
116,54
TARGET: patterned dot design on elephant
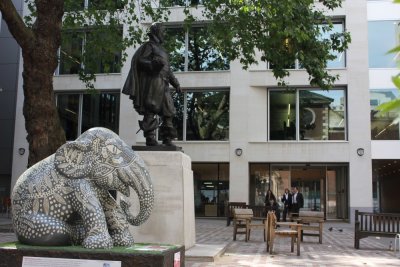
x,y
64,199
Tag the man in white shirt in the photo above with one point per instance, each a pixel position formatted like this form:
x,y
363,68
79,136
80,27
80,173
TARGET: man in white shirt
x,y
297,200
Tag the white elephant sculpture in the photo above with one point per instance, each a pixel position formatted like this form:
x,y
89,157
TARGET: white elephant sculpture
x,y
64,199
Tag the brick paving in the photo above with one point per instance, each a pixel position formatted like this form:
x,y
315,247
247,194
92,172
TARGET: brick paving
x,y
337,248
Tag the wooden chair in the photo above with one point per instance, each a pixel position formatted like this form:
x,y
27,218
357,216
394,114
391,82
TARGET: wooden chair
x,y
257,221
270,231
241,217
230,207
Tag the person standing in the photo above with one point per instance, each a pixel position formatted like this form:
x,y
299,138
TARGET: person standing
x,y
271,204
297,200
287,203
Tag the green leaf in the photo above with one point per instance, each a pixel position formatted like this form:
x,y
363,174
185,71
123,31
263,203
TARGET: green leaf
x,y
396,81
388,106
394,50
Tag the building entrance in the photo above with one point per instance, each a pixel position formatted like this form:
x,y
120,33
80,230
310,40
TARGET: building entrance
x,y
324,186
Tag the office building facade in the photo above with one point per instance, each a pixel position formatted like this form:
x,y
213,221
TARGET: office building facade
x,y
244,134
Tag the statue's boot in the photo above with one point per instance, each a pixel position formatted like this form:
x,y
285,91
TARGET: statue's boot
x,y
168,133
149,125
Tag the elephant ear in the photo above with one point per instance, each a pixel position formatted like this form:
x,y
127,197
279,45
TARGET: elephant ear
x,y
74,159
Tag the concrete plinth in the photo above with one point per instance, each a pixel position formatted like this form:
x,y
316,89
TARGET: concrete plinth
x,y
13,254
172,220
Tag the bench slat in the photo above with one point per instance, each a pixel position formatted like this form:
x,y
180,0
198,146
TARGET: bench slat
x,y
375,224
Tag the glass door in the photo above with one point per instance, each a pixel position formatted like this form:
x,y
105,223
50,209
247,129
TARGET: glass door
x,y
310,180
211,188
336,191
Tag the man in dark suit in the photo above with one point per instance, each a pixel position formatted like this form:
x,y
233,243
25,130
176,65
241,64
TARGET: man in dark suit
x,y
297,200
287,203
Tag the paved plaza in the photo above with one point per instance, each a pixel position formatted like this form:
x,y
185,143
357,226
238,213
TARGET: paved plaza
x,y
337,248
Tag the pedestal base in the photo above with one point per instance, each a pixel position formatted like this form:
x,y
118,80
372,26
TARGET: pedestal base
x,y
14,254
172,219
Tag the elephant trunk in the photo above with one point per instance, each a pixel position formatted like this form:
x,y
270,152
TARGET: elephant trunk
x,y
144,189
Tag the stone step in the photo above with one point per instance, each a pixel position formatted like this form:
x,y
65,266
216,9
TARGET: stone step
x,y
205,252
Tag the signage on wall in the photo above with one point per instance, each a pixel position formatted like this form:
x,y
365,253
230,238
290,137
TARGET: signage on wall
x,y
62,262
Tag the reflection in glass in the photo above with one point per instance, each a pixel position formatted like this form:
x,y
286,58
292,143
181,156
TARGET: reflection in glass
x,y
179,115
340,60
73,5
282,115
322,115
384,126
103,59
68,111
100,110
264,176
211,188
202,55
71,52
259,183
170,3
105,5
174,44
382,36
207,115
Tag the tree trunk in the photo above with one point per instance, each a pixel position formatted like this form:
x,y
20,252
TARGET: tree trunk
x,y
39,45
42,123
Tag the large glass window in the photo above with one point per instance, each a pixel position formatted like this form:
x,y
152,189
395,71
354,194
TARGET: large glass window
x,y
100,60
71,52
211,188
75,5
68,111
80,112
338,62
384,126
382,36
170,3
193,50
307,114
176,46
202,115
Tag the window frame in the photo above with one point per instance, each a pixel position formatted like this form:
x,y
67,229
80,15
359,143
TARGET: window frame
x,y
297,65
185,108
297,125
84,34
80,106
186,46
374,119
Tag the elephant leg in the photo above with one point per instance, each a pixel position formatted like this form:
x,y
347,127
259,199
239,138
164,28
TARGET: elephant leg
x,y
42,230
78,232
118,227
97,235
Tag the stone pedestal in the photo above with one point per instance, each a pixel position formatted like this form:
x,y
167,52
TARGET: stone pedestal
x,y
172,220
153,255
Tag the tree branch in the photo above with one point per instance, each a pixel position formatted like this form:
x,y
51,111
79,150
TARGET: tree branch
x,y
22,34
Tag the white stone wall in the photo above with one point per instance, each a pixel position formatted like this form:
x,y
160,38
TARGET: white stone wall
x,y
248,117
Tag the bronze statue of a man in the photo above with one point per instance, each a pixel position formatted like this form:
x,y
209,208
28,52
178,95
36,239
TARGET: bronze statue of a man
x,y
147,85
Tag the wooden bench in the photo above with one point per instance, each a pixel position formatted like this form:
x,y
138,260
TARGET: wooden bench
x,y
229,211
312,221
241,217
375,224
